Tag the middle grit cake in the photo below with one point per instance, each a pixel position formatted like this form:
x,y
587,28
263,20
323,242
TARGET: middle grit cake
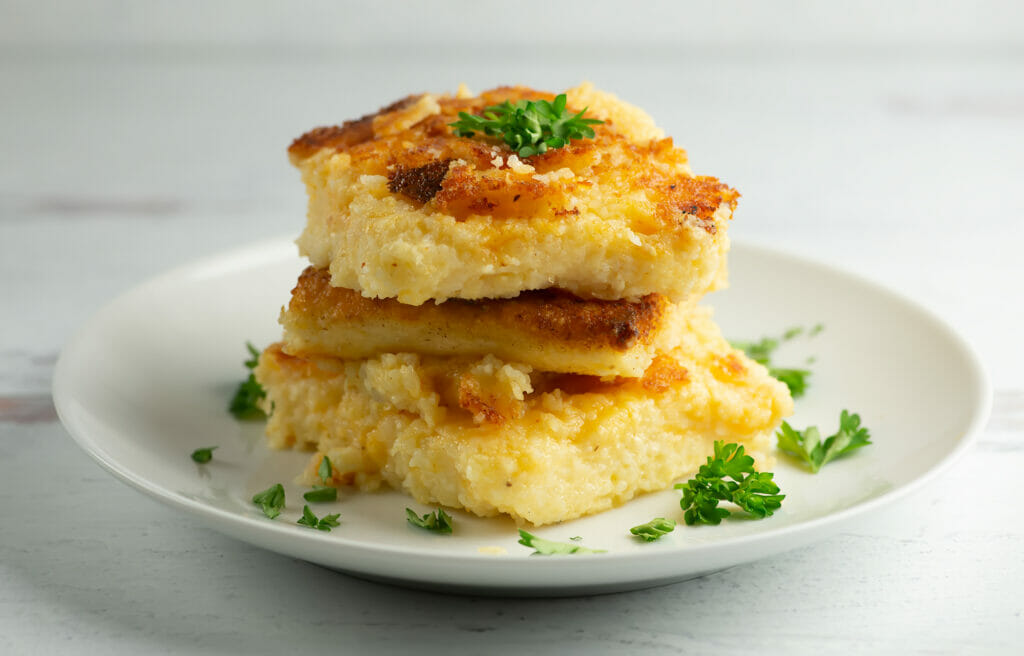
x,y
546,329
400,207
499,437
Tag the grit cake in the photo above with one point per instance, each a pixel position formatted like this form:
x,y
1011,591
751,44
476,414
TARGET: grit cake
x,y
545,329
495,437
508,335
400,207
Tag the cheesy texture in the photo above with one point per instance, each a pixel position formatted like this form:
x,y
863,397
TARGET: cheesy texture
x,y
500,437
399,207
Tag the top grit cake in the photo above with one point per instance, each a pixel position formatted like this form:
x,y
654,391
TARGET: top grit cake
x,y
401,207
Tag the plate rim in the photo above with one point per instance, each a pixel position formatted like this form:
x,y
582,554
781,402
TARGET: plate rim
x,y
269,250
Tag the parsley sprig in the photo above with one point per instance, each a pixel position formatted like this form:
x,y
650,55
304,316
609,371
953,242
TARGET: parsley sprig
x,y
542,547
809,447
730,476
270,500
438,521
653,529
246,402
528,127
310,520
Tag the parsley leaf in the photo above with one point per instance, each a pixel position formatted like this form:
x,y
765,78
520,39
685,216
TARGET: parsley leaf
x,y
324,471
245,404
438,521
794,379
653,529
762,350
544,547
753,491
321,494
270,500
528,127
203,455
309,519
809,447
254,356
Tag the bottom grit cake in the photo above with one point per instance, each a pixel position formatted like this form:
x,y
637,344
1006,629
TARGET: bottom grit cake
x,y
496,437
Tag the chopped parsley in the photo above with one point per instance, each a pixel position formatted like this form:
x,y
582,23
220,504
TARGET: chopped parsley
x,y
321,494
794,379
325,523
528,127
324,471
270,500
653,529
245,404
808,446
438,521
728,476
203,455
542,547
761,352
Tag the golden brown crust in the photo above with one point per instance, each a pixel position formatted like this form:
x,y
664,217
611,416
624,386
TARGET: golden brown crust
x,y
486,408
482,181
421,183
349,133
548,315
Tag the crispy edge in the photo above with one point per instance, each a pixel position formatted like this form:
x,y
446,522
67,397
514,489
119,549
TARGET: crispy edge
x,y
547,314
461,192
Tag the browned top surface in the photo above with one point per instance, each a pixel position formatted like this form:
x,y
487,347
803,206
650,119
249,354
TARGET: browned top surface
x,y
474,185
551,315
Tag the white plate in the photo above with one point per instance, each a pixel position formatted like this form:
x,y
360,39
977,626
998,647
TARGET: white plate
x,y
147,380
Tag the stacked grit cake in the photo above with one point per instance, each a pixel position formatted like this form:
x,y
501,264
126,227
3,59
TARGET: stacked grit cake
x,y
504,334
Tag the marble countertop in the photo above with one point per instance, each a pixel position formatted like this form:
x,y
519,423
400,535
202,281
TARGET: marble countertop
x,y
903,165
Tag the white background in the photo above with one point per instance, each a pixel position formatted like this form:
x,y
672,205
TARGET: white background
x,y
886,137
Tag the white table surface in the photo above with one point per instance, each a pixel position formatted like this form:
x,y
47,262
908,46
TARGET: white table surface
x,y
906,166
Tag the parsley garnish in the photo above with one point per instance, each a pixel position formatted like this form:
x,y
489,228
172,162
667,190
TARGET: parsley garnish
x,y
761,352
528,127
310,520
438,521
809,447
753,491
324,470
245,404
653,529
270,500
203,455
321,494
544,547
794,379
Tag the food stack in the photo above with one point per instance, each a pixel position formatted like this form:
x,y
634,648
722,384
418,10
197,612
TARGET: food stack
x,y
506,323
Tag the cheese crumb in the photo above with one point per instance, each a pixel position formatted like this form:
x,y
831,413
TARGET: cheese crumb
x,y
493,551
519,166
